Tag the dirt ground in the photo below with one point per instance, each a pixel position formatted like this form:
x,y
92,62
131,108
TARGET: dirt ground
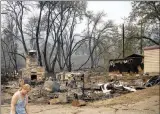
x,y
140,102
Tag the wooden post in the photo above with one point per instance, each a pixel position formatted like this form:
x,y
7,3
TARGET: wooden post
x,y
83,86
123,40
141,47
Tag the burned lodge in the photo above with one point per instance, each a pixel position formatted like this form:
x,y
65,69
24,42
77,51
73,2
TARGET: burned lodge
x,y
130,64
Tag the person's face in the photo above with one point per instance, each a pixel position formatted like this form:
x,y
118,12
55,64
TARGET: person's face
x,y
24,92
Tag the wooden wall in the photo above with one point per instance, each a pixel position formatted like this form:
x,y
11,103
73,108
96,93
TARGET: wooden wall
x,y
152,61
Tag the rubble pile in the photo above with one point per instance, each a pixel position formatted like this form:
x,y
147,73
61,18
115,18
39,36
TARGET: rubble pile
x,y
71,88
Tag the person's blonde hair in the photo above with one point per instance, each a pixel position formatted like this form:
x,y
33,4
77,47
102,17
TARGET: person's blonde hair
x,y
25,87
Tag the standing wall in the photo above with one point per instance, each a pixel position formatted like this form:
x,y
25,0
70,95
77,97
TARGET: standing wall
x,y
152,61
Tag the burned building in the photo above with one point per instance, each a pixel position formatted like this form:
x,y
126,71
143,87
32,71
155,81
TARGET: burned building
x,y
73,81
132,63
76,78
33,71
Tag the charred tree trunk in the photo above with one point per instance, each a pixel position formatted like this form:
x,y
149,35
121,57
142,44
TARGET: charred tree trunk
x,y
19,24
90,48
59,40
46,41
37,34
69,64
4,57
54,63
71,40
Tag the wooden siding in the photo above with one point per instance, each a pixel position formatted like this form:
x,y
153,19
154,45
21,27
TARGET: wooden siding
x,y
152,61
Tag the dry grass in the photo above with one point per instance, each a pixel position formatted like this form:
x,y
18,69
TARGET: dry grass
x,y
129,98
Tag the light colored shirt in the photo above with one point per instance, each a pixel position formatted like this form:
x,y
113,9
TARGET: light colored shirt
x,y
21,104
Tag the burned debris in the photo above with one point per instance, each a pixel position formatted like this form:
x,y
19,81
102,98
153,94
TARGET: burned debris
x,y
70,87
132,63
153,81
73,89
73,82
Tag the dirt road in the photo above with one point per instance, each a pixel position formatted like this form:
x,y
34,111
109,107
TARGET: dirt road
x,y
148,106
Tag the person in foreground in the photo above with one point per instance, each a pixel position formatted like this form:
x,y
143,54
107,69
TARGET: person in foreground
x,y
19,102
